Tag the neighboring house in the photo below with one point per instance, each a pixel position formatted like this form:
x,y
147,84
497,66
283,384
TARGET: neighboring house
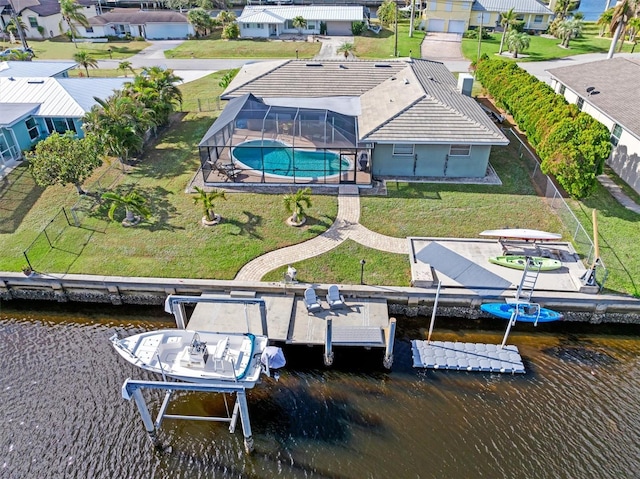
x,y
408,119
151,25
535,15
32,108
608,91
447,16
36,69
273,21
42,13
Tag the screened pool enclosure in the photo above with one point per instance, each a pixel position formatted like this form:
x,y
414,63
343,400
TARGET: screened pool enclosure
x,y
255,141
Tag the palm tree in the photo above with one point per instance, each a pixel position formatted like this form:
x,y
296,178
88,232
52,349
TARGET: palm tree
x,y
84,58
633,26
119,125
299,23
126,66
568,29
295,203
347,49
225,17
622,13
207,199
506,20
135,206
604,21
156,89
563,7
517,42
71,13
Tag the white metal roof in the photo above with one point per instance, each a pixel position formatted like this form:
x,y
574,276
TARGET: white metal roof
x,y
34,68
308,12
59,97
519,6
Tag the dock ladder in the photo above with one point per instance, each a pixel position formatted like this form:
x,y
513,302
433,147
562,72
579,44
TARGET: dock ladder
x,y
528,281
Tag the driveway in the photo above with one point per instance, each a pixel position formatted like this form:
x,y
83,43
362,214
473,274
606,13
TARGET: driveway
x,y
329,48
442,46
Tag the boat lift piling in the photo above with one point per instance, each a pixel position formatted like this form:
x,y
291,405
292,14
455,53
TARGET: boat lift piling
x,y
132,389
433,313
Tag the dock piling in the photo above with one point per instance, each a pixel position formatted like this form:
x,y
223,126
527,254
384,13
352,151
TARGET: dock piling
x,y
388,353
328,353
145,416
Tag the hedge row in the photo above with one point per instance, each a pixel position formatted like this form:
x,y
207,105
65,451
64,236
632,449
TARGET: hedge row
x,y
571,144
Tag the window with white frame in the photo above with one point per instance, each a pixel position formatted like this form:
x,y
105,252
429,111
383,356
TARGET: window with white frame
x,y
562,89
33,22
32,129
459,150
538,19
311,25
403,150
580,103
616,132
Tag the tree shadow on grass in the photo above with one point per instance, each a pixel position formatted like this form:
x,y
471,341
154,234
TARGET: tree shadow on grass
x,y
162,209
248,227
18,194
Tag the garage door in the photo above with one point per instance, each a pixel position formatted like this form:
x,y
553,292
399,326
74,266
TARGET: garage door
x,y
339,28
456,26
436,25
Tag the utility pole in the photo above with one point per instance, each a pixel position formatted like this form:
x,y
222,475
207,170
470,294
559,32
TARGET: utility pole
x,y
480,36
413,14
14,17
395,48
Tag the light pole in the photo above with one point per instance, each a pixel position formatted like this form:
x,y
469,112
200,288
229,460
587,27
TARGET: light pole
x,y
362,263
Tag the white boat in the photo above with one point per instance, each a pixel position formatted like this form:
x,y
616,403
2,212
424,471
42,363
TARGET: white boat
x,y
196,356
522,234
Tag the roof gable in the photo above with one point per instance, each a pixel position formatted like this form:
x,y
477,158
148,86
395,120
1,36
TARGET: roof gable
x,y
34,68
138,17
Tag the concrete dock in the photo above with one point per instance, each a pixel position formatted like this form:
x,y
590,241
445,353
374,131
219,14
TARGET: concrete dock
x,y
363,322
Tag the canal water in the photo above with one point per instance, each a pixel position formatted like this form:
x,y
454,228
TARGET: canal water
x,y
573,415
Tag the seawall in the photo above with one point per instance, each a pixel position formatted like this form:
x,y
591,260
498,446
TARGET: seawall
x,y
407,301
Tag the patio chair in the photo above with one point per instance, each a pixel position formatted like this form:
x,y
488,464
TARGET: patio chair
x,y
311,300
334,298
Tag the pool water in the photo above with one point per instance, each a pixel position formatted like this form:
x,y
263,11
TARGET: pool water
x,y
276,158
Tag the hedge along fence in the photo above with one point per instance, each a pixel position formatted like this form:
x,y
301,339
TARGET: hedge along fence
x,y
571,144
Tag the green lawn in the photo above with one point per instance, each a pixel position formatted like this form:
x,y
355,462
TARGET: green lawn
x,y
58,49
172,244
215,47
543,48
372,46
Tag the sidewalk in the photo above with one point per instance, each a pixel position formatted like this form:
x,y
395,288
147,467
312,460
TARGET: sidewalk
x,y
618,194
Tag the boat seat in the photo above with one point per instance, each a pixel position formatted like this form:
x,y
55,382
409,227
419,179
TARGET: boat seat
x,y
219,353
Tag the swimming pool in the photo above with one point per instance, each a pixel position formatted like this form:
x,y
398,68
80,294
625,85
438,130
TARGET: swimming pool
x,y
276,158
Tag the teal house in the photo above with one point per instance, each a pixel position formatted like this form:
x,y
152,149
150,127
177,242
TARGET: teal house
x,y
34,107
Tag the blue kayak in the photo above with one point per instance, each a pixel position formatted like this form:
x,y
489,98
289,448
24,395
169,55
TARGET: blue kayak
x,y
527,313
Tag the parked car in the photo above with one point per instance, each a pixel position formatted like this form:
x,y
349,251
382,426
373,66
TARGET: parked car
x,y
16,53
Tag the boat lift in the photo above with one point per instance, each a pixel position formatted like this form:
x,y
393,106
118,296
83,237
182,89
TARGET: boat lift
x,y
132,389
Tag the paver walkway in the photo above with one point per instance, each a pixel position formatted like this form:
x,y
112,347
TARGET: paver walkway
x,y
345,227
618,194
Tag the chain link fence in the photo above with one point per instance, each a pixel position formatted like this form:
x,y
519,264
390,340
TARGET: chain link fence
x,y
201,104
582,240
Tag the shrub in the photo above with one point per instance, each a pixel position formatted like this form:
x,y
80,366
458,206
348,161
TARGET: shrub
x,y
473,34
357,28
231,31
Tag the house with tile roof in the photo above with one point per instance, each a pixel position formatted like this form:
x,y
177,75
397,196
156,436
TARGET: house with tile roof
x,y
148,24
34,107
41,15
271,21
404,118
609,91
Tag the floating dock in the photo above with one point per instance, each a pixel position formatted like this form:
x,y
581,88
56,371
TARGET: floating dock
x,y
461,356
